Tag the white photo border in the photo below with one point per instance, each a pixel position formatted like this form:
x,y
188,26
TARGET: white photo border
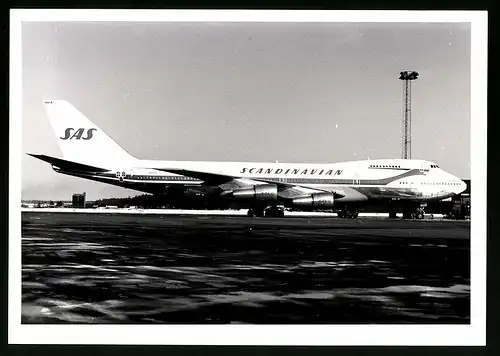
x,y
446,335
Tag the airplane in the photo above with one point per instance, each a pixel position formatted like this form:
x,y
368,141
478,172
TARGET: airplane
x,y
266,189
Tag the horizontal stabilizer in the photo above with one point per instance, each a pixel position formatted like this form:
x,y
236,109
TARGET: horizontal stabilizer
x,y
69,165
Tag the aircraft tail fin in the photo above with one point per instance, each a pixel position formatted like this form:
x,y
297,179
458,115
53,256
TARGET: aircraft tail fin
x,y
80,140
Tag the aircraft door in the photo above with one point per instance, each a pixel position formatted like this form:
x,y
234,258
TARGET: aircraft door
x,y
355,180
416,182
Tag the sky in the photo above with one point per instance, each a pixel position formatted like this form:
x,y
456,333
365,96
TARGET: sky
x,y
293,92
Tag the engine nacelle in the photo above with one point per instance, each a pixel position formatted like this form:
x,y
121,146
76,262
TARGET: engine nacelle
x,y
317,200
259,192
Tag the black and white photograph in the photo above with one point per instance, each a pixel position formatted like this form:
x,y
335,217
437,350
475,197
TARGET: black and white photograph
x,y
248,177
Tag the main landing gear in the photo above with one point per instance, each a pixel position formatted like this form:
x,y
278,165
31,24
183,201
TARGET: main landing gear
x,y
348,213
412,211
259,213
268,212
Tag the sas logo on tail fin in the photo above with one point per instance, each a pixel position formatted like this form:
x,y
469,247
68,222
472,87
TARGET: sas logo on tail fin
x,y
78,134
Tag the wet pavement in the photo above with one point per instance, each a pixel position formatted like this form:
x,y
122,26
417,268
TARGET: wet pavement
x,y
112,268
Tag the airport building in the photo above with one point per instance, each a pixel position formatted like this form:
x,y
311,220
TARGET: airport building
x,y
461,204
78,201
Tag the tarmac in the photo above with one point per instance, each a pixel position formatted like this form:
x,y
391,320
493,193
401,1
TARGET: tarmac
x,y
181,269
241,212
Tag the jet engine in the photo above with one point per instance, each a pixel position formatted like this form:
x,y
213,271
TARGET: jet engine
x,y
259,192
317,200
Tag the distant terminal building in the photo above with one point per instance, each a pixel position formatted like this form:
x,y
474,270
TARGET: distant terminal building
x,y
466,192
78,201
461,204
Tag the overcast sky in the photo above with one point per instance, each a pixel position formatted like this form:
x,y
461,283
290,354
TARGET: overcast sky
x,y
304,92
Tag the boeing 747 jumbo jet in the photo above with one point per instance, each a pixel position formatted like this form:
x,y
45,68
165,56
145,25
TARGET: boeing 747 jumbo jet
x,y
265,188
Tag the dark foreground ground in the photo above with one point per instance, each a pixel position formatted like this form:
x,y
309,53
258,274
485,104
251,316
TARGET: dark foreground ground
x,y
80,268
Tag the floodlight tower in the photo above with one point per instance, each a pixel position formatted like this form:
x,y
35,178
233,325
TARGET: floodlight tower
x,y
407,77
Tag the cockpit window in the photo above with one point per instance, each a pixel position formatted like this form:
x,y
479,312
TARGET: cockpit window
x,y
434,166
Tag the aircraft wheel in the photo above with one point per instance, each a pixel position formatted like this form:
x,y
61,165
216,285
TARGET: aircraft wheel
x,y
259,213
274,213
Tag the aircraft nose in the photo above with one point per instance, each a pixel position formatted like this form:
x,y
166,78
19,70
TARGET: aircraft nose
x,y
462,186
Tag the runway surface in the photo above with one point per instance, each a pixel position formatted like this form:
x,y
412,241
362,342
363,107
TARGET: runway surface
x,y
91,268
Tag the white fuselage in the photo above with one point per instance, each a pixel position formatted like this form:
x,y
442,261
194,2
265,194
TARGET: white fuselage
x,y
358,180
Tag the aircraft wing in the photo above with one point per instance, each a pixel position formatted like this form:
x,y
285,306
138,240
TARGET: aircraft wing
x,y
288,189
283,185
209,178
291,190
